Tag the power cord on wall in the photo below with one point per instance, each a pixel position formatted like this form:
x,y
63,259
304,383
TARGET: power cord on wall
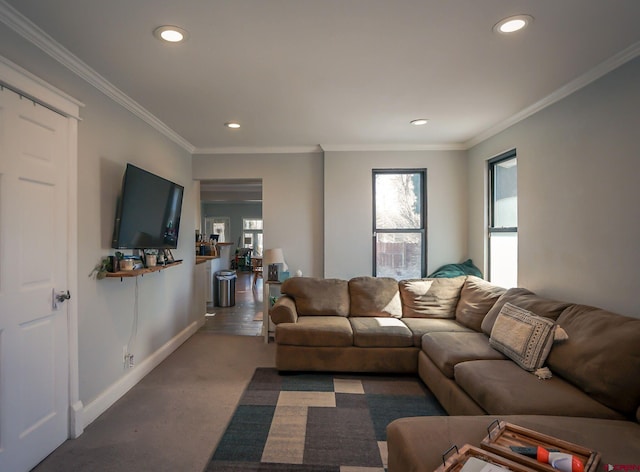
x,y
134,331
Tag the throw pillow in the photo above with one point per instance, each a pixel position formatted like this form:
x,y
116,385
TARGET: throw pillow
x,y
317,296
374,296
522,336
476,299
455,270
430,298
524,299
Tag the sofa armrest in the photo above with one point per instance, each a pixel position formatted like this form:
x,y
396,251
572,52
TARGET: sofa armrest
x,y
284,310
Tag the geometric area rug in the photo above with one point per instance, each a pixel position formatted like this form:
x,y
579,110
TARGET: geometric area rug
x,y
318,422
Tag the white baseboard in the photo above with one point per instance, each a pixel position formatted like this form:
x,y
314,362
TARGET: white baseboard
x,y
124,384
76,420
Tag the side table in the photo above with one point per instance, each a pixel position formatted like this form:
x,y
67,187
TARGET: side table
x,y
271,290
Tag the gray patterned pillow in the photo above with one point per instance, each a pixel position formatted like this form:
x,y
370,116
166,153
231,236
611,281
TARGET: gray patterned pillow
x,y
522,336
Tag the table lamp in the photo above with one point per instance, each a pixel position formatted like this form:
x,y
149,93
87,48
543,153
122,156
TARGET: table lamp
x,y
275,257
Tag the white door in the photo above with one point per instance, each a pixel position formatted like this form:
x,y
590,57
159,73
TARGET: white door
x,y
34,347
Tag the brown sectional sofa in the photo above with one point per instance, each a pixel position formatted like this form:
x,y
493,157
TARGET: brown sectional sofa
x,y
456,335
591,369
370,324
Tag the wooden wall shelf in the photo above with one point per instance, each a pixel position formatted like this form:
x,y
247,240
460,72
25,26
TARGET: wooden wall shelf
x,y
135,273
201,259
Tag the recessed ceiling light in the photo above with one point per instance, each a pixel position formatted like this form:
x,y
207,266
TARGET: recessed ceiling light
x,y
171,34
419,122
232,124
512,24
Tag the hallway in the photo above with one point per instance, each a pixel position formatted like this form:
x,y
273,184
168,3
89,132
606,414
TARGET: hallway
x,y
245,317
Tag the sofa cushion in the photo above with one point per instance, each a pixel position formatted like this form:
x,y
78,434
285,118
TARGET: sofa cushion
x,y
421,326
448,349
430,298
374,296
526,299
501,387
316,296
380,332
476,299
333,331
601,356
522,336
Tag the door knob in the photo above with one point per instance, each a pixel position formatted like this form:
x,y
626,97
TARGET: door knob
x,y
59,297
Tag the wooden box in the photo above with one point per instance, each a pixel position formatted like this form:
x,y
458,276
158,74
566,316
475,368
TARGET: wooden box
x,y
457,461
503,435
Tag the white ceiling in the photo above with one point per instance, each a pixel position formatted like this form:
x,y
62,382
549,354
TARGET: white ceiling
x,y
341,74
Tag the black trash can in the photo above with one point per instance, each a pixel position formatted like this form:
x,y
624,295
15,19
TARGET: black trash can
x,y
225,289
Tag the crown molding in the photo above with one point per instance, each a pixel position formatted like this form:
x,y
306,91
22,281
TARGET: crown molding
x,y
393,147
585,79
329,148
32,33
259,150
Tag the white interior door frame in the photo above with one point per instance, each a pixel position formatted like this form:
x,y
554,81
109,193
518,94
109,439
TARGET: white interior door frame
x,y
30,86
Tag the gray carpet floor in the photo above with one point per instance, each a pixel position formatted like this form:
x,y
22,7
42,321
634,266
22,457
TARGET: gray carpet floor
x,y
173,419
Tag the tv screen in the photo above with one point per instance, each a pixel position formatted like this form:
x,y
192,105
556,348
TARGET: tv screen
x,y
148,213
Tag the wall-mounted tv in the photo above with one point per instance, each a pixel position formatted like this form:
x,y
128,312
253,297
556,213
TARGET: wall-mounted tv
x,y
148,211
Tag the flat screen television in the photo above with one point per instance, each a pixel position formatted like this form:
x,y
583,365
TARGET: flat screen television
x,y
148,211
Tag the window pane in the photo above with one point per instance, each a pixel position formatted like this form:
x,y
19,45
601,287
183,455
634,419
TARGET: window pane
x,y
505,197
258,246
398,201
399,255
503,250
219,226
219,229
248,223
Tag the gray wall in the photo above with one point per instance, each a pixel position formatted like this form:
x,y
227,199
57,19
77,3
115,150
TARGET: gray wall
x,y
318,208
235,211
578,194
291,200
109,137
348,201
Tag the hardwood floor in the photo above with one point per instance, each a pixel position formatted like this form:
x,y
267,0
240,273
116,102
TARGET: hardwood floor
x,y
245,317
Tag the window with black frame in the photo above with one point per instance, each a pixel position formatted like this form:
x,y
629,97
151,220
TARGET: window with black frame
x,y
503,220
399,223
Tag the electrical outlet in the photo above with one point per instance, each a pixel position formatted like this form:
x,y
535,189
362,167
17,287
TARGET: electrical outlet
x,y
125,357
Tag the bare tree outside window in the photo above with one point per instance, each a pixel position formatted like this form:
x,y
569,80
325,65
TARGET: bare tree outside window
x,y
399,223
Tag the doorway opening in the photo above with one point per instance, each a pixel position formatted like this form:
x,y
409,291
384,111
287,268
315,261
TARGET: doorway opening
x,y
231,209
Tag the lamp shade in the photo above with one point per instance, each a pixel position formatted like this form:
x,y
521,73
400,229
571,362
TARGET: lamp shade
x,y
275,256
